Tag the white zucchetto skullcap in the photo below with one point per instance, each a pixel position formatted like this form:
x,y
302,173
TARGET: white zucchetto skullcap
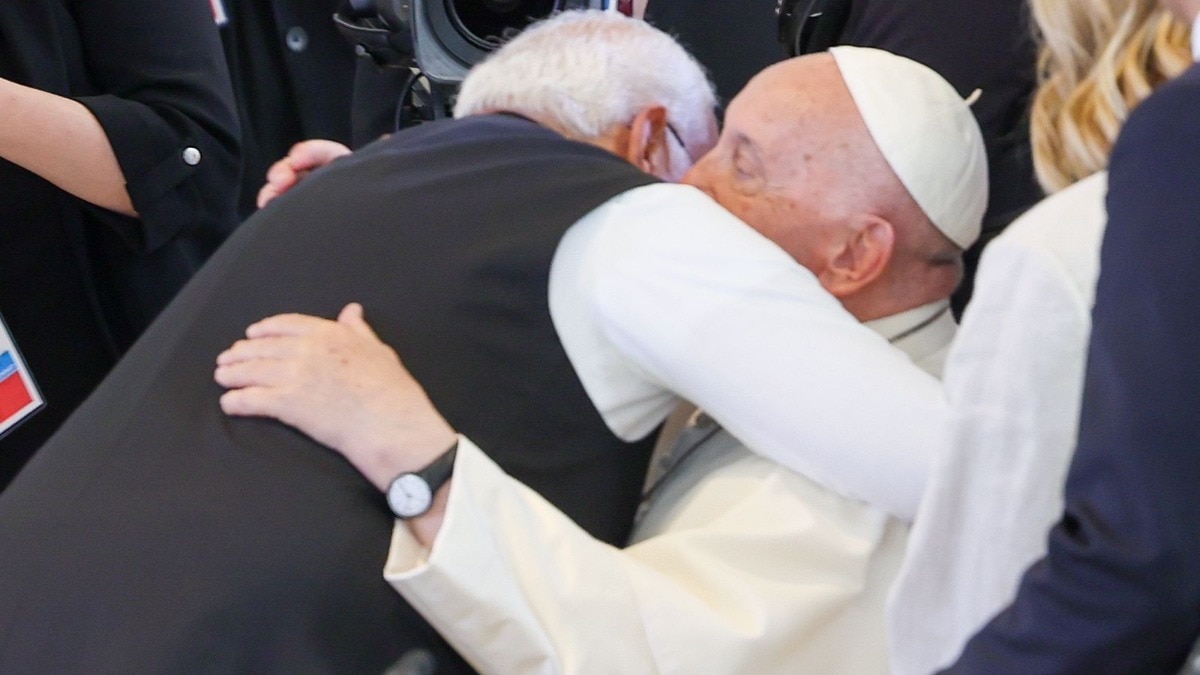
x,y
927,135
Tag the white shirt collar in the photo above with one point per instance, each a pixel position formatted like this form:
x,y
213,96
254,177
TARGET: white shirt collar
x,y
1196,38
923,333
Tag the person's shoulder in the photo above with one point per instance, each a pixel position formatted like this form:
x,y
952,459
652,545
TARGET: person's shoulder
x,y
671,208
1175,100
1166,122
669,194
1058,219
1060,235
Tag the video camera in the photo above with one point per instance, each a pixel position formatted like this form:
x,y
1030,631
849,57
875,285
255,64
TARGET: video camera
x,y
444,38
810,26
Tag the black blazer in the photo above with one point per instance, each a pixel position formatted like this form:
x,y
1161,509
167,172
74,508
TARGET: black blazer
x,y
78,283
1119,589
293,75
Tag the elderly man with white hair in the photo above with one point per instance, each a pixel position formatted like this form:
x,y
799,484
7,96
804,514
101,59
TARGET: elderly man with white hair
x,y
866,169
194,536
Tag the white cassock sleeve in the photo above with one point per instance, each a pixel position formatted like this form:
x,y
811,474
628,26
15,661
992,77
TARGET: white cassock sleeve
x,y
761,571
1014,379
661,290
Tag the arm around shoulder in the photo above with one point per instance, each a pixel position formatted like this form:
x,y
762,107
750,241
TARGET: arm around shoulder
x,y
772,583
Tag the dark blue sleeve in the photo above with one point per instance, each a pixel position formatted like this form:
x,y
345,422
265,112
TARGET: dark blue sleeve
x,y
1119,589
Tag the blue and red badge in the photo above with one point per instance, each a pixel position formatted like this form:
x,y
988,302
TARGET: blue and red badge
x,y
19,397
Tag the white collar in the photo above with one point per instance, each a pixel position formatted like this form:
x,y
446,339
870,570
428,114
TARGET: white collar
x,y
921,332
1196,38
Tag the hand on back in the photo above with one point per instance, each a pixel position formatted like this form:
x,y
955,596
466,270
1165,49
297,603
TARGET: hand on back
x,y
337,382
304,158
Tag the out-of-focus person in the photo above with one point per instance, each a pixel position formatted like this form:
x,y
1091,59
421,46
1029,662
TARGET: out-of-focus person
x,y
1118,590
118,168
1014,378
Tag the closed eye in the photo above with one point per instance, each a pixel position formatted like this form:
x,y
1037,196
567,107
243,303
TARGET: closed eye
x,y
747,165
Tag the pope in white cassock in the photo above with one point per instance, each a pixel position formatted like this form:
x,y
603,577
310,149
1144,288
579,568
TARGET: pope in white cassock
x,y
769,541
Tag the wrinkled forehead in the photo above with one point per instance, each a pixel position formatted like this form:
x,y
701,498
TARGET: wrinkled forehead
x,y
799,103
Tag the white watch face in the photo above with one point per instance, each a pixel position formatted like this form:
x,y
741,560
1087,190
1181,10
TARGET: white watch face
x,y
409,496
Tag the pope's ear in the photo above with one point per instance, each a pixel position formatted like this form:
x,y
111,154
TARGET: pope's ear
x,y
861,258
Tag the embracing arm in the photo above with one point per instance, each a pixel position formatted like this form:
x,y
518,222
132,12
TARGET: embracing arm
x,y
702,305
754,557
760,571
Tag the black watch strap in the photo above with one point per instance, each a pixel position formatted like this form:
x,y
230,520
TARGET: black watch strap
x,y
440,469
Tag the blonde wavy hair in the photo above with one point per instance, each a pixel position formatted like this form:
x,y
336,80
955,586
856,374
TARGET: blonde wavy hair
x,y
1098,60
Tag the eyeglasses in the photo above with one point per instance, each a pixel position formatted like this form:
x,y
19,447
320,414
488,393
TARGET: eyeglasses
x,y
679,139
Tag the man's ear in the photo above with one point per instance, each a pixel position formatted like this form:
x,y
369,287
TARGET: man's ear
x,y
647,146
861,259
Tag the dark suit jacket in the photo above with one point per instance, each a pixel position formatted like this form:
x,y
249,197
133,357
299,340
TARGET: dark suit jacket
x,y
154,534
293,75
1119,589
79,283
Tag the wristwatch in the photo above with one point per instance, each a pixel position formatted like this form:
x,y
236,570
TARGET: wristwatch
x,y
411,494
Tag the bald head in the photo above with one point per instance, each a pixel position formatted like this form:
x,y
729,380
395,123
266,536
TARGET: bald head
x,y
797,161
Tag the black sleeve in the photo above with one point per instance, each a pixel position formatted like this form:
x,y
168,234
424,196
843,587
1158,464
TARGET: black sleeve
x,y
164,99
1119,589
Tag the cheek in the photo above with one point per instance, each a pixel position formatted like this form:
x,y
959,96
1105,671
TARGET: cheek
x,y
698,176
789,229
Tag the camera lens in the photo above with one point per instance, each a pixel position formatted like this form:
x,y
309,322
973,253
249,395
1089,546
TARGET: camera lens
x,y
488,23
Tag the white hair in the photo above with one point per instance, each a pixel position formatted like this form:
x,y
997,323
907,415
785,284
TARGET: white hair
x,y
586,71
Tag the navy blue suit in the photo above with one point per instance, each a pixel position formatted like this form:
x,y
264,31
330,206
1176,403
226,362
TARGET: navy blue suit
x,y
1119,589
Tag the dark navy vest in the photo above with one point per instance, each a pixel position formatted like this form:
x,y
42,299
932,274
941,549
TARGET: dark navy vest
x,y
155,534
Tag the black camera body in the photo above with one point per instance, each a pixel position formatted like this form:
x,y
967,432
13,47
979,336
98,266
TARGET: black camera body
x,y
443,38
810,26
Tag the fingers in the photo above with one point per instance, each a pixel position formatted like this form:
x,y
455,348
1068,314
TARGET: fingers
x,y
268,348
314,154
263,388
351,316
281,177
266,195
255,388
251,402
287,325
302,159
